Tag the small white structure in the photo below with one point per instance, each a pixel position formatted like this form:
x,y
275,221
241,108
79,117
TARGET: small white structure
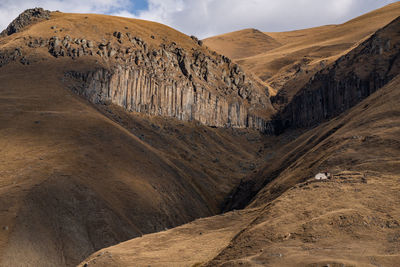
x,y
322,176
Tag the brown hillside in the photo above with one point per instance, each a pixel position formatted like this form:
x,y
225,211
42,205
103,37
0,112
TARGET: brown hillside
x,y
76,177
350,220
303,52
293,219
73,181
242,44
114,130
351,78
205,86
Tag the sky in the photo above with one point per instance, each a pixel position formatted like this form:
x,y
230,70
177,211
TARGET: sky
x,y
205,18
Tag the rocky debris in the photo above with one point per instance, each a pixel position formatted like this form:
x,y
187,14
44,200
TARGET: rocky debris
x,y
37,43
26,18
6,56
117,35
194,38
24,61
65,47
346,82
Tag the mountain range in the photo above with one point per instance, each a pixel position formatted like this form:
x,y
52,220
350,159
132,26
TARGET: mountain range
x,y
124,142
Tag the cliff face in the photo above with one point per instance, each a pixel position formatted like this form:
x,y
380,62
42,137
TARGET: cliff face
x,y
138,91
345,83
168,81
156,76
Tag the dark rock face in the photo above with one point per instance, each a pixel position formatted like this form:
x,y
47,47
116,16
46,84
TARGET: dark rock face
x,y
352,78
24,19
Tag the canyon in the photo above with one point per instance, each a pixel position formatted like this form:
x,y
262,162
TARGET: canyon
x,y
127,143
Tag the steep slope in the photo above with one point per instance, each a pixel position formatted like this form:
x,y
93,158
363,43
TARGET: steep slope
x,y
331,92
74,181
304,52
76,177
133,154
146,67
351,78
242,44
352,219
293,219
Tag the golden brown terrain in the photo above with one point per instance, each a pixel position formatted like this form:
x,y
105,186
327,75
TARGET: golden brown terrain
x,y
352,219
242,44
287,67
73,181
77,177
107,141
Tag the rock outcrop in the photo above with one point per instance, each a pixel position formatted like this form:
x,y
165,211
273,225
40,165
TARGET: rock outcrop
x,y
12,55
24,19
157,77
346,82
167,81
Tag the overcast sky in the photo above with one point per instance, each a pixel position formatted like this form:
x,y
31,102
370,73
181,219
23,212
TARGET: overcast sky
x,y
205,18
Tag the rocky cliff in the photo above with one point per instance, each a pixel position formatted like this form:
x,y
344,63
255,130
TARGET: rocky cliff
x,y
156,77
169,81
347,81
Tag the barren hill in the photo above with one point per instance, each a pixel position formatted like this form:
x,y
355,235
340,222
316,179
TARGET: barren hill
x,y
105,133
242,44
353,219
303,52
115,130
204,86
289,217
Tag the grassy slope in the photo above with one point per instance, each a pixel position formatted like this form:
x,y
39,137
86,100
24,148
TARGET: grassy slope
x,y
353,219
242,44
73,181
302,51
98,27
62,159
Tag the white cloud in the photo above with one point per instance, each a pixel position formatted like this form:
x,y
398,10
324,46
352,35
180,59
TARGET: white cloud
x,y
210,17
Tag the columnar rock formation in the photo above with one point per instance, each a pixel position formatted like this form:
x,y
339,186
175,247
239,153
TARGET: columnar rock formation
x,y
349,80
136,90
171,82
157,77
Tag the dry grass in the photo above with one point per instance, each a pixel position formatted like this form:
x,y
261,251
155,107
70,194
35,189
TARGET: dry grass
x,y
75,178
301,52
351,220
